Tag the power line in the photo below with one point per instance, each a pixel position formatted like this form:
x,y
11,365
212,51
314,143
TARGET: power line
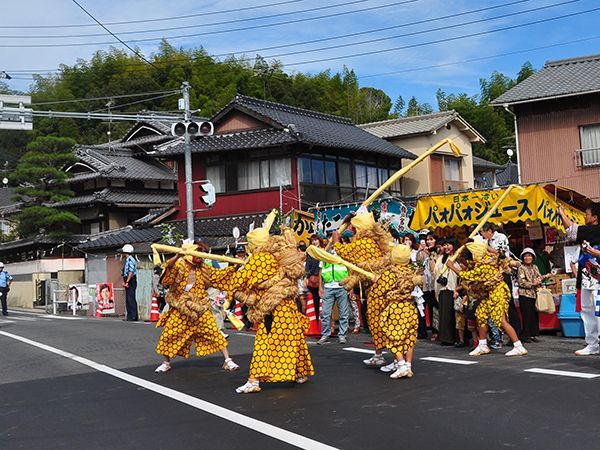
x,y
438,41
231,30
114,35
159,19
138,102
226,22
108,97
376,30
481,58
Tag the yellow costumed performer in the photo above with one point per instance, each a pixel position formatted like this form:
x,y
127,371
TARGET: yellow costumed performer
x,y
397,287
369,250
268,285
189,319
485,283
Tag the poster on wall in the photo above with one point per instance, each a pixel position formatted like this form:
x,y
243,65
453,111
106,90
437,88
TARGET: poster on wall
x,y
78,296
105,298
571,255
551,235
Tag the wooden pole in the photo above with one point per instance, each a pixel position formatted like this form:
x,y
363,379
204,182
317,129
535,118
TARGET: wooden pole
x,y
322,255
156,248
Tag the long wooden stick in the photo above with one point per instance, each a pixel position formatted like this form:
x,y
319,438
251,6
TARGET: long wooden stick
x,y
322,255
400,173
161,248
480,225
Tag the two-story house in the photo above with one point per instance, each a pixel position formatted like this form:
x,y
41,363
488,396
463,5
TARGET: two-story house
x,y
557,124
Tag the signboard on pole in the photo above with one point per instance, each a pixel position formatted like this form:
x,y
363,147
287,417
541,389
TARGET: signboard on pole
x,y
15,116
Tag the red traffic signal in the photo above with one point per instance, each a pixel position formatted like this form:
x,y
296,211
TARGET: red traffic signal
x,y
192,128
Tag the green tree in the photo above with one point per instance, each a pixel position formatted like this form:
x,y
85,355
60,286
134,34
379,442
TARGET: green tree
x,y
415,108
42,181
398,110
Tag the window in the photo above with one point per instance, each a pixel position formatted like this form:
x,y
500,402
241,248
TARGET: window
x,y
250,175
590,146
330,173
305,170
216,175
360,174
345,173
451,169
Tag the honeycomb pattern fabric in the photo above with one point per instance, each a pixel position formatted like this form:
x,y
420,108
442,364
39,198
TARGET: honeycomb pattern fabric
x,y
180,332
395,322
359,250
281,354
495,305
399,322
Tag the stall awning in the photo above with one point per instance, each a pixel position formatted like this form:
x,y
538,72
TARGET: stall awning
x,y
468,208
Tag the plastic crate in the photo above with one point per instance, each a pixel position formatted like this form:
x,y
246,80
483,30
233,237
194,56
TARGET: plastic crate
x,y
567,304
571,325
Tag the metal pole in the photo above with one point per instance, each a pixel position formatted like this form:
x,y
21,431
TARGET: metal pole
x,y
187,153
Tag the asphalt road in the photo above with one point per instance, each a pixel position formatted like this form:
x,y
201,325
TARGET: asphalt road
x,y
50,398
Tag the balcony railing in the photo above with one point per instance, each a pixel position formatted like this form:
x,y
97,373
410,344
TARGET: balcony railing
x,y
455,185
588,157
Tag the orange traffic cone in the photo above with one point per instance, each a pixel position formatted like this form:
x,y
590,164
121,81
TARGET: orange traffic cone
x,y
154,314
99,310
315,326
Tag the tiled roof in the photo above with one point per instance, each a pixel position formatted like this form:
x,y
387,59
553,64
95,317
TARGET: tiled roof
x,y
42,240
155,214
268,137
415,125
509,174
565,77
7,204
216,232
484,164
122,164
304,126
122,197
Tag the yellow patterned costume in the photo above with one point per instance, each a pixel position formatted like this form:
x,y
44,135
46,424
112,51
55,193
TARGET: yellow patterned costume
x,y
399,319
189,319
485,283
280,354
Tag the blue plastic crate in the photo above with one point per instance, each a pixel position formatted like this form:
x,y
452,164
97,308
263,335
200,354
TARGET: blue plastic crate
x,y
571,325
567,304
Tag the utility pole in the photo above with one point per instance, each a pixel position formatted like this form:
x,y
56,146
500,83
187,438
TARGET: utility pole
x,y
187,156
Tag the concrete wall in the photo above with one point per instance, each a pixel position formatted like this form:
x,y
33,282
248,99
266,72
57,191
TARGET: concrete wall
x,y
418,180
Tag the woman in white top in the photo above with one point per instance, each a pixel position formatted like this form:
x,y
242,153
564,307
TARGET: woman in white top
x,y
444,287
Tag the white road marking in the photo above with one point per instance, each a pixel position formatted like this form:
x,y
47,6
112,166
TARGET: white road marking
x,y
245,421
46,316
360,350
564,373
24,319
448,360
6,321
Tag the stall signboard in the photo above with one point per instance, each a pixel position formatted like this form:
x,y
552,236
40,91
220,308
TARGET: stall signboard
x,y
396,213
105,298
524,203
303,224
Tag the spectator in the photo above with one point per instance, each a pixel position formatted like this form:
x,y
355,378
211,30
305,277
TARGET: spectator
x,y
445,285
157,289
332,292
411,241
461,301
240,253
529,279
312,274
130,283
427,256
5,282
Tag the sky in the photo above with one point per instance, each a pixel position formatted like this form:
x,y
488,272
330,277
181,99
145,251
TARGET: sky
x,y
464,40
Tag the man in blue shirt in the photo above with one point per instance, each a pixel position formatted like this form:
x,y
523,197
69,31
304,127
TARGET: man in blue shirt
x,y
5,281
130,283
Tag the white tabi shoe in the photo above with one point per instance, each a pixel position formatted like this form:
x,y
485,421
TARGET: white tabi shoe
x,y
517,351
301,380
375,361
391,367
588,350
248,388
164,367
230,365
402,372
480,350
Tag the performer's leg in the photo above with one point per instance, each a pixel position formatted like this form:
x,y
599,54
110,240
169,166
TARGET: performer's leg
x,y
519,349
228,364
590,324
327,306
165,366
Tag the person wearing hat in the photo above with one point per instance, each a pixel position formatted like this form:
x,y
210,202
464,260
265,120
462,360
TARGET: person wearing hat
x,y
189,318
485,282
370,249
529,279
399,319
5,282
130,283
268,284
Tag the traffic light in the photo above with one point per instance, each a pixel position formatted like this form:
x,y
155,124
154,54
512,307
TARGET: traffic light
x,y
208,196
192,128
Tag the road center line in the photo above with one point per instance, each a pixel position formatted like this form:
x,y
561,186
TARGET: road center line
x,y
44,316
245,421
564,373
360,350
448,360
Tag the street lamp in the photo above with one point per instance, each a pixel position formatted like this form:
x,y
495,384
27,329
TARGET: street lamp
x,y
509,152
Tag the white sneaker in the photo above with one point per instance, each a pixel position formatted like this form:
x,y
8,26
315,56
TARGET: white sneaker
x,y
517,351
391,367
375,361
342,340
323,340
402,372
301,380
164,367
230,365
248,388
480,350
588,350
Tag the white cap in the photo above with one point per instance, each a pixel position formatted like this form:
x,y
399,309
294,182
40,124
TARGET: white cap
x,y
127,248
1,264
526,251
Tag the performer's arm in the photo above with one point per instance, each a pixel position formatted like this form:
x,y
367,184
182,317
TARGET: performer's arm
x,y
170,272
220,278
475,274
